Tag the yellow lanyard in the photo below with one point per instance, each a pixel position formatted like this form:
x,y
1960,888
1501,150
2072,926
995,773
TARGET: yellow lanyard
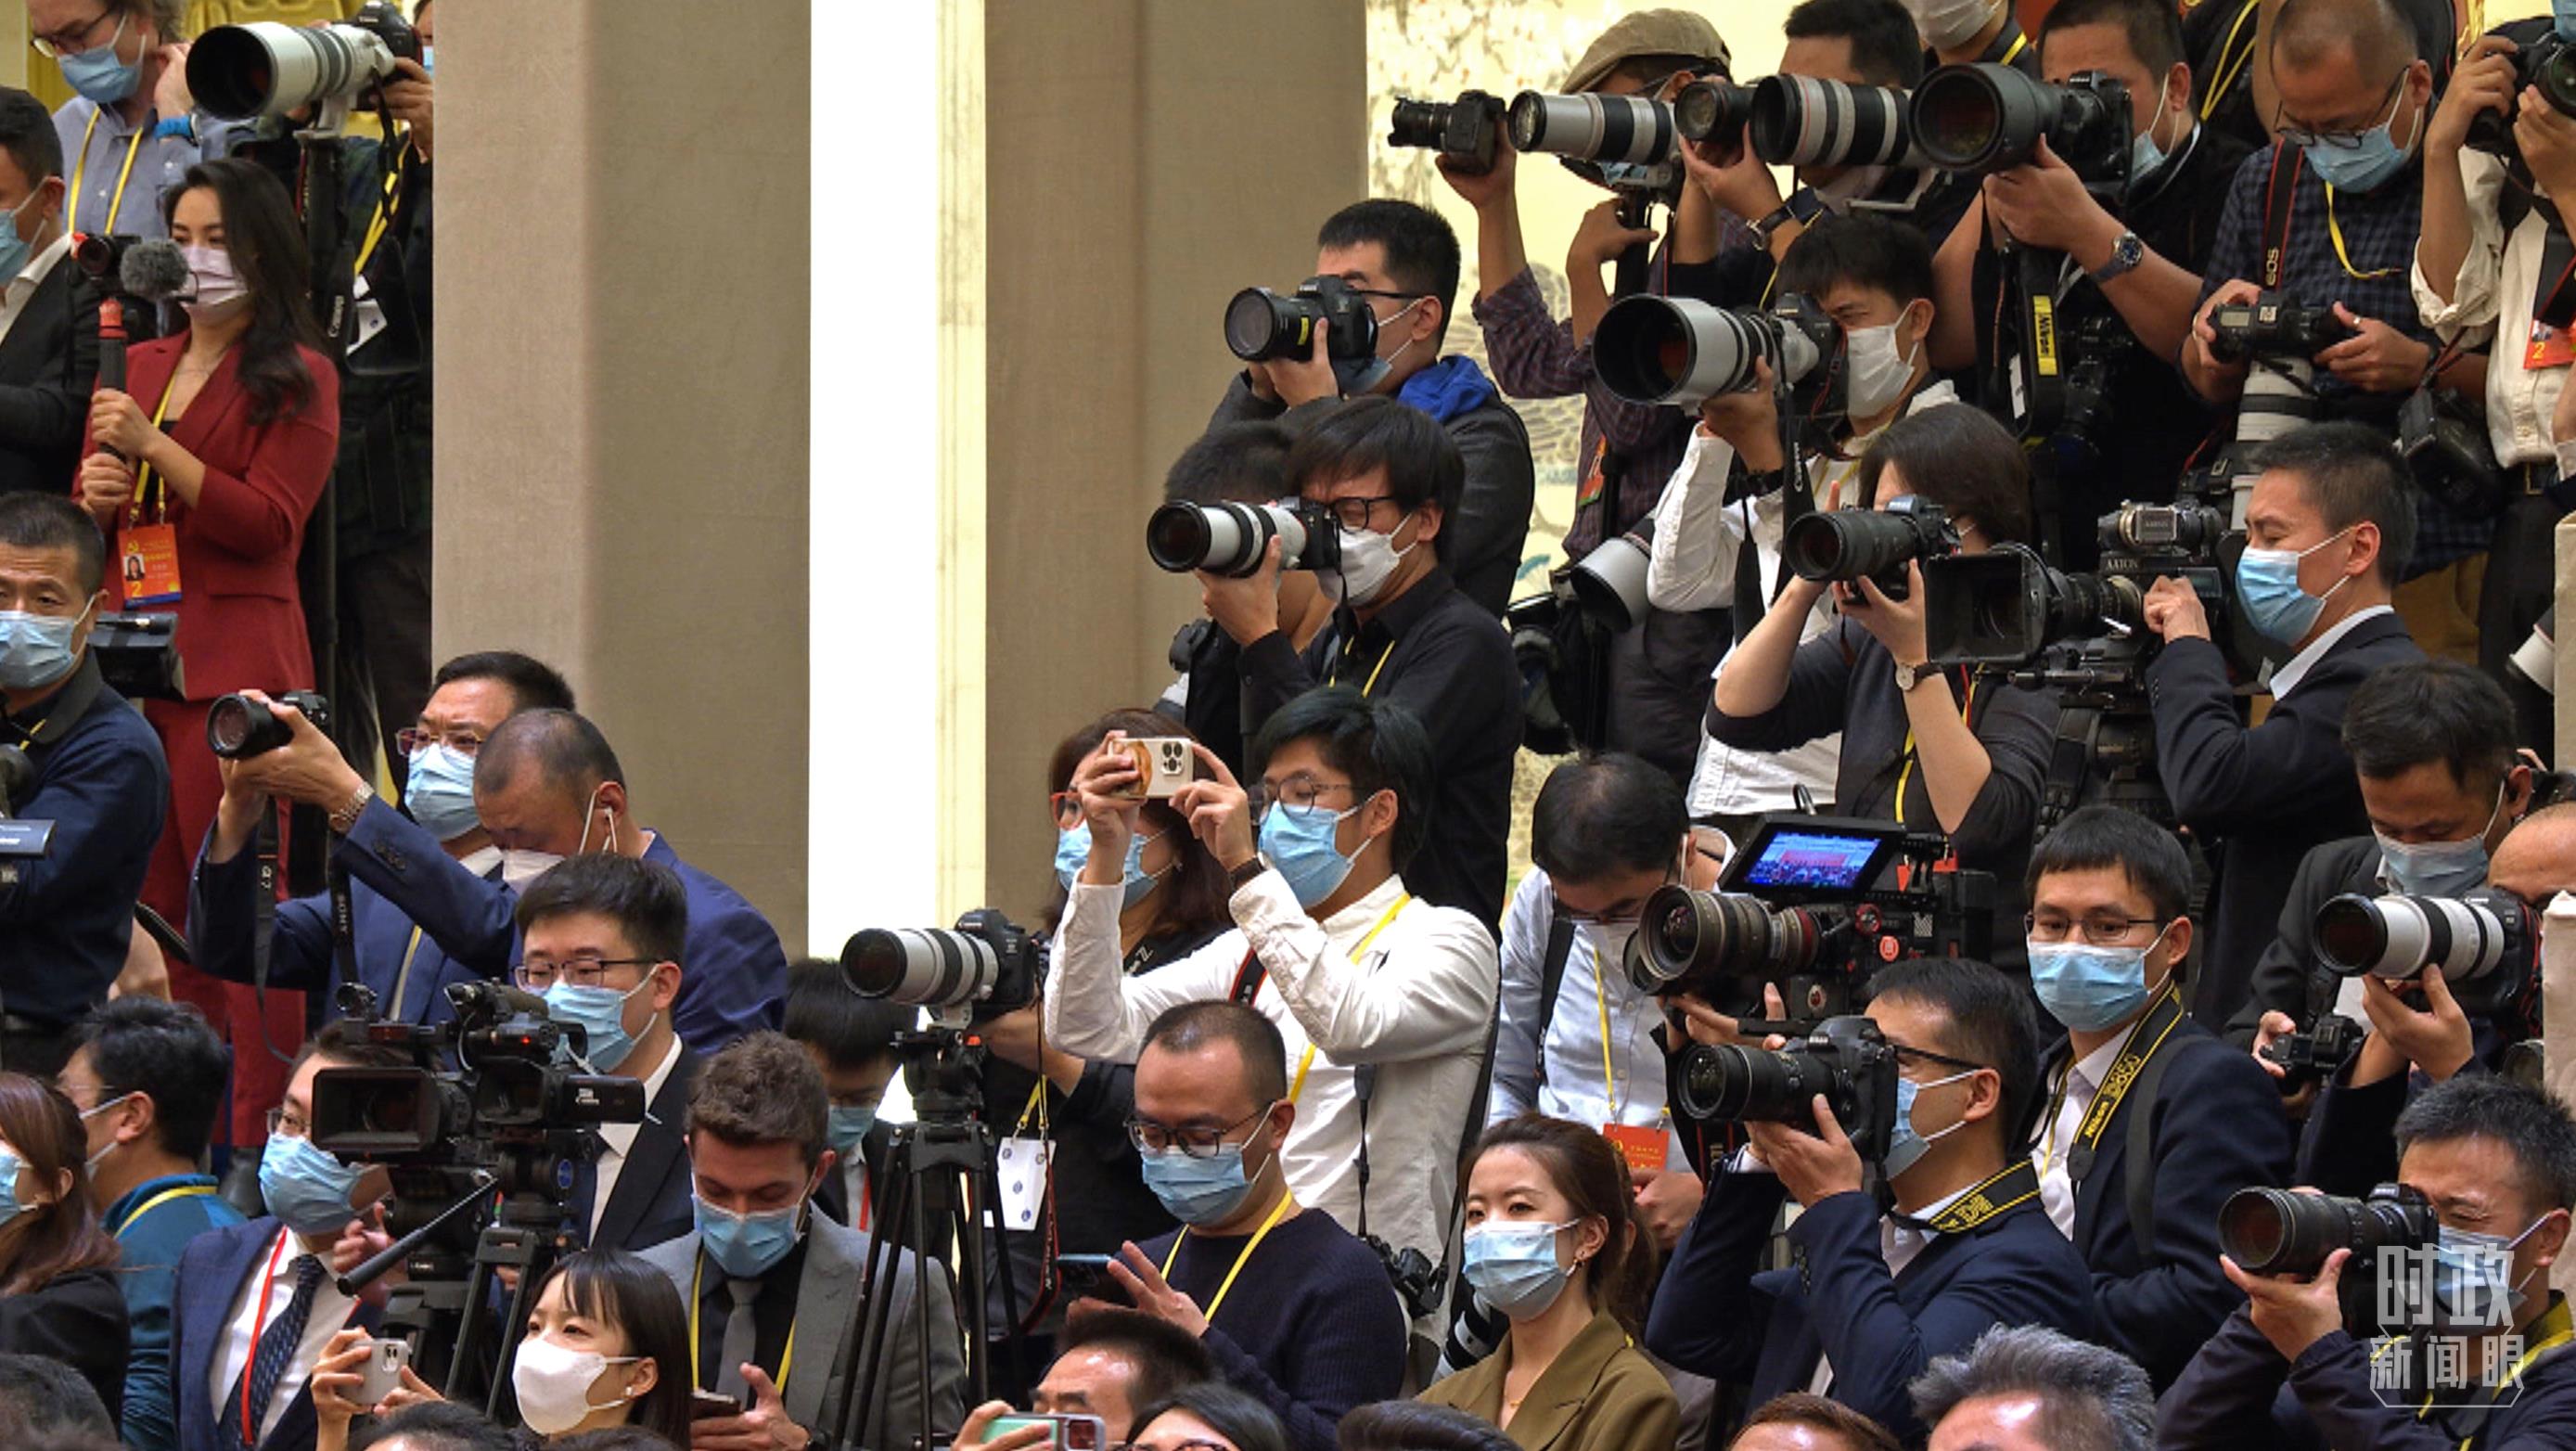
x,y
1905,772
147,496
184,1191
2123,1072
384,216
2231,61
2020,43
80,169
1307,1060
1374,671
1601,1001
1277,1212
786,1357
2556,1330
402,979
2334,229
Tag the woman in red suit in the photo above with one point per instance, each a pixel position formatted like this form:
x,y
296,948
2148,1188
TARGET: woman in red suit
x,y
207,471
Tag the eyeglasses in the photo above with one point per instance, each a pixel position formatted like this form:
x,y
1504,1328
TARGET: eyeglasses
x,y
1296,794
1354,513
1197,1141
536,975
410,739
2101,929
286,1123
2296,135
1904,1053
74,41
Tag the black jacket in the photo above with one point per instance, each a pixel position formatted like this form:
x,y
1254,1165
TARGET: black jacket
x,y
2266,795
381,483
48,367
78,1319
2288,977
652,1200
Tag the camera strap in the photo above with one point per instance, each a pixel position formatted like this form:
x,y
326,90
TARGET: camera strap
x,y
2042,404
2555,301
2280,200
69,709
2140,1064
344,924
2016,1186
1551,981
263,918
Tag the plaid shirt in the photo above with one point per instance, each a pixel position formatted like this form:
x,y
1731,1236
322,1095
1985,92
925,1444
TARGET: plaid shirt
x,y
2379,232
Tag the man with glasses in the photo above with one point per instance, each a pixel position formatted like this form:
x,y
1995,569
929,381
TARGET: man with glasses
x,y
403,962
1877,1296
131,130
1402,260
1403,634
2150,1121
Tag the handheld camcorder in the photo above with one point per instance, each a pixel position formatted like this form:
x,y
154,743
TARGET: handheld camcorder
x,y
1465,130
2318,1053
1847,1059
1800,121
1713,111
1846,545
238,727
2546,63
264,68
1230,539
1801,906
982,969
2485,941
1678,350
1626,143
1261,324
1973,120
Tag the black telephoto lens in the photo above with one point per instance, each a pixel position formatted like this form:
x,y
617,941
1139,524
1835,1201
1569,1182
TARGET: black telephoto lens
x,y
2282,1232
1713,111
1749,1085
238,726
1417,123
1261,324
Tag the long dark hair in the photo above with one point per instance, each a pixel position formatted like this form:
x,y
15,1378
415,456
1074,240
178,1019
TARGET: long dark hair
x,y
1194,895
621,1289
1594,1180
44,1242
267,247
1239,1417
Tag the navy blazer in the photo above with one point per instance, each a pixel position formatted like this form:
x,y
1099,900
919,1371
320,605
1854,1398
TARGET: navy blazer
x,y
212,1272
1714,1316
653,1199
2267,795
2218,1127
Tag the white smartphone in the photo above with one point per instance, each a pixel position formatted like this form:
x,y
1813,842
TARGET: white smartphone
x,y
383,1374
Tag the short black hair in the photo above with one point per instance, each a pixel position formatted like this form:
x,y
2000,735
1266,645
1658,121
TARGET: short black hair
x,y
27,134
432,1426
645,899
2383,41
1165,1357
614,1438
2107,836
1988,1017
2404,716
33,520
2530,1122
2351,474
165,1050
1417,1426
1606,813
1243,1420
1886,50
1422,463
1233,463
563,744
534,685
2153,28
1961,459
1380,746
1421,247
1191,1027
850,1031
1862,250
345,1042
41,1396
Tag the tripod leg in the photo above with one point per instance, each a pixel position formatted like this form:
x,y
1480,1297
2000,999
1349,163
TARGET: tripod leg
x,y
860,1381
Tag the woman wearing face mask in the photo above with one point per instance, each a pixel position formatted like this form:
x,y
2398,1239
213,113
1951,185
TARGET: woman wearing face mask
x,y
206,471
58,1292
1553,1241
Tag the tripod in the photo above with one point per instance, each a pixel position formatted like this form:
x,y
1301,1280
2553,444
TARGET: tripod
x,y
942,1188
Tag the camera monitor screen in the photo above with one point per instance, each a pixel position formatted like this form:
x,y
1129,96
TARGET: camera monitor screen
x,y
1812,856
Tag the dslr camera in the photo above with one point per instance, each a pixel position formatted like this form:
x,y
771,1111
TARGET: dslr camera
x,y
978,971
237,72
1678,350
2486,942
2279,336
1847,1059
1230,539
2444,439
1261,324
2317,1053
2283,1232
1626,143
1464,130
2547,63
1973,120
1846,545
238,727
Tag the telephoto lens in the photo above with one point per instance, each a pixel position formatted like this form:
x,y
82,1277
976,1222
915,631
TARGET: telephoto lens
x,y
1803,121
1635,130
1229,539
920,966
1876,544
2469,936
263,68
2283,1232
238,727
1417,123
1737,1084
1707,943
1975,119
1713,111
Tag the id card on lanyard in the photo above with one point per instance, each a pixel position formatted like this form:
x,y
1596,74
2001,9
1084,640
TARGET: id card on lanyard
x,y
148,545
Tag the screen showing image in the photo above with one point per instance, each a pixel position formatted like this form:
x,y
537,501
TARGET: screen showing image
x,y
1807,859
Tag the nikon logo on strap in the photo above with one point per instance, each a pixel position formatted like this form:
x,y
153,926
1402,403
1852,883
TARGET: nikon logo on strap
x,y
2014,1187
2144,1041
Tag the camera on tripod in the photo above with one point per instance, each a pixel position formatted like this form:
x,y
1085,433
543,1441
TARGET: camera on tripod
x,y
1678,350
1465,130
1973,120
264,68
2317,1053
1848,545
982,969
1802,906
1230,539
1846,1059
2486,942
2006,606
2546,63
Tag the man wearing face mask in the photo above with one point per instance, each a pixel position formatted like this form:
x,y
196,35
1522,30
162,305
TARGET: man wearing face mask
x,y
406,966
851,1040
1291,1307
761,1258
2497,1161
98,775
1234,463
2150,1122
1402,259
1403,634
1966,1248
131,129
2329,528
48,312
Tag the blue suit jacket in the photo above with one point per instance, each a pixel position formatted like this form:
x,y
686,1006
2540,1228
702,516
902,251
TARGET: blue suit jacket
x,y
1713,1315
211,1274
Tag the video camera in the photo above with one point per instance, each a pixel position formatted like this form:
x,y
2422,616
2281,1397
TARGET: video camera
x,y
264,68
2006,607
1678,350
1230,539
2546,63
2444,438
1846,1058
1973,120
1625,143
2486,942
1465,130
2316,1054
1801,906
982,969
1846,545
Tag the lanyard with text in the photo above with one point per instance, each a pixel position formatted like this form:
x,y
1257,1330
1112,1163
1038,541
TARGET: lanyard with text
x,y
786,1357
1278,1212
1249,977
2143,1041
2549,1334
184,1191
385,208
80,169
2014,1187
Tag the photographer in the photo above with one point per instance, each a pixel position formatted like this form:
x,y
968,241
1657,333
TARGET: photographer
x,y
66,918
1403,634
1385,1001
2497,1163
48,311
131,130
852,1042
1235,463
760,1258
2136,1180
1924,747
2140,253
1968,1247
2328,529
397,958
1403,259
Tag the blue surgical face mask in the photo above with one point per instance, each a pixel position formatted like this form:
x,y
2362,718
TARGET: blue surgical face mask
x,y
13,247
600,1013
2090,988
2144,154
2472,1278
306,1187
1512,1264
746,1245
849,1126
10,1168
2268,582
2439,868
36,650
1302,845
1195,1190
1906,1145
1073,849
2377,157
100,75
439,791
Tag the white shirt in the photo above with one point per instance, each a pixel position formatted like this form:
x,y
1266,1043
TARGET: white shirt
x,y
13,298
2082,1079
331,1312
1416,1006
618,1140
2491,304
2287,678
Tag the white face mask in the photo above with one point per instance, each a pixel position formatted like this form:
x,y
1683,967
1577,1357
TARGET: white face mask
x,y
518,868
1878,374
553,1383
1368,561
1948,24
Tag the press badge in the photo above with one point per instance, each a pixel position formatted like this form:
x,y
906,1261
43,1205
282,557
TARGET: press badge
x,y
1023,1165
2550,347
366,316
151,563
1643,1146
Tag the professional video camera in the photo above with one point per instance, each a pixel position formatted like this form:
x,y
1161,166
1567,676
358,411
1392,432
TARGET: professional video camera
x,y
1678,350
267,69
2318,1053
1261,324
2547,63
138,655
1976,119
238,727
1230,539
1845,545
20,841
984,968
1464,130
1846,1058
1626,143
1805,122
1713,111
2486,942
1802,905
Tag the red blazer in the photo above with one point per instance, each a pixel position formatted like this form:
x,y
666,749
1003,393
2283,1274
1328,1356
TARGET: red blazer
x,y
241,620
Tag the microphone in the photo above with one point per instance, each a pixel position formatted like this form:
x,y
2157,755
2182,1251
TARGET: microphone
x,y
111,343
154,270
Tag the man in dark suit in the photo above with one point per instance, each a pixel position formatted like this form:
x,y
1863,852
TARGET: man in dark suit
x,y
255,1301
760,1260
2151,1121
48,311
851,1040
2328,530
1877,1296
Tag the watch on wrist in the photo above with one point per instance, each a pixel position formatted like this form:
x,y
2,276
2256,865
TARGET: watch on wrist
x,y
1910,676
2126,254
1251,866
344,817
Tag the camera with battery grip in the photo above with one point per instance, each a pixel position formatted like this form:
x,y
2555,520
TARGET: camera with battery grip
x,y
2546,63
2443,437
1981,118
2270,1231
1845,546
2316,1052
1846,1059
2485,941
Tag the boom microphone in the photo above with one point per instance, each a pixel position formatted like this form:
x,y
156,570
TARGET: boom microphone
x,y
155,270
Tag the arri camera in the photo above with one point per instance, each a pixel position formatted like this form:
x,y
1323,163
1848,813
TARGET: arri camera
x,y
1230,539
1802,906
1975,119
238,726
984,968
268,69
1465,130
2485,941
1845,545
1261,324
1846,1059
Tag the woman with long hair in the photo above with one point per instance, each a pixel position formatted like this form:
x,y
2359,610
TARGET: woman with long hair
x,y
203,476
58,1292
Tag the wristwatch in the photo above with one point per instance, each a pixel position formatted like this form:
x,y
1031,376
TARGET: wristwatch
x,y
2126,254
1910,676
1803,206
344,817
1252,866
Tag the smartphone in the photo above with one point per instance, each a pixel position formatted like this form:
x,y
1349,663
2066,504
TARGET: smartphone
x,y
1087,1277
708,1406
382,1374
1068,1433
1164,764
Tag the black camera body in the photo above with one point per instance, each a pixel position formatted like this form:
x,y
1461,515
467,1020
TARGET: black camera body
x,y
1465,130
1846,1059
238,727
2275,326
984,967
2284,1232
2444,439
2547,63
138,655
1418,1282
1261,324
2317,1054
1847,545
1976,119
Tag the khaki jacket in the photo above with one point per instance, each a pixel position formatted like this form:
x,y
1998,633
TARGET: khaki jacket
x,y
1602,1394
